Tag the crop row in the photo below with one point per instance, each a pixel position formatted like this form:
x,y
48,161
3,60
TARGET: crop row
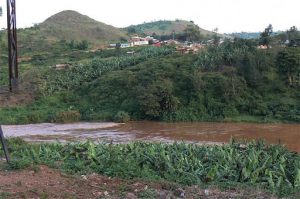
x,y
271,167
56,80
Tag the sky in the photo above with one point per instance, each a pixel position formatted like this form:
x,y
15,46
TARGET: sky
x,y
226,15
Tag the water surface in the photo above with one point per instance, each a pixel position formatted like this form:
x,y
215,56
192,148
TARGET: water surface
x,y
196,132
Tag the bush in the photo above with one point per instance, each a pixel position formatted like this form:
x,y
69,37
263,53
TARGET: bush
x,y
34,117
122,117
67,116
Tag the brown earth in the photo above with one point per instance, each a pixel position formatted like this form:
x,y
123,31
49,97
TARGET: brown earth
x,y
24,95
44,182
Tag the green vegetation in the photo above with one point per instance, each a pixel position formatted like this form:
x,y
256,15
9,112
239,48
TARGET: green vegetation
x,y
265,36
231,81
218,84
56,80
234,81
58,89
64,27
254,163
165,29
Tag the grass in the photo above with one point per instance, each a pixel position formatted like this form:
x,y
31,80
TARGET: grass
x,y
4,195
273,167
251,119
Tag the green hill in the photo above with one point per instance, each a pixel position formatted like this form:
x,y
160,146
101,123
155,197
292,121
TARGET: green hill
x,y
163,27
71,25
67,26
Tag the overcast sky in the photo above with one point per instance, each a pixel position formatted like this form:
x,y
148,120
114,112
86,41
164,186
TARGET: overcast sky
x,y
226,15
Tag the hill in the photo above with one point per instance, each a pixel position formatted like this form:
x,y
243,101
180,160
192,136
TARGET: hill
x,y
163,27
67,26
250,35
71,25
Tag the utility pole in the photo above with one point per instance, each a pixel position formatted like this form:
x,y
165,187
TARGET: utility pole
x,y
12,45
4,145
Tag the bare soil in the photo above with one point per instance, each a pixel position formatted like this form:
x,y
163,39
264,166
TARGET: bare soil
x,y
45,182
17,98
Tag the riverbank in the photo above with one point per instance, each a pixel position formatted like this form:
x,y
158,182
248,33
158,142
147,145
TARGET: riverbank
x,y
45,182
272,168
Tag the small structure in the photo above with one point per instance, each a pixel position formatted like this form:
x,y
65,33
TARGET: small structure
x,y
130,53
111,46
125,45
263,47
62,66
139,41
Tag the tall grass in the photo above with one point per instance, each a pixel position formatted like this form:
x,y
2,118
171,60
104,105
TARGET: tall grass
x,y
271,167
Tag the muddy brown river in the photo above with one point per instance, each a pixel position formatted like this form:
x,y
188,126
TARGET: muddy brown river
x,y
197,132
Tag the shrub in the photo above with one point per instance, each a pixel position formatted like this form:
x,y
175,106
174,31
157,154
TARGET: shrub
x,y
67,116
122,117
34,117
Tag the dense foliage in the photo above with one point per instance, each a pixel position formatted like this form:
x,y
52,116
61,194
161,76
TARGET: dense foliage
x,y
271,167
223,83
56,80
234,81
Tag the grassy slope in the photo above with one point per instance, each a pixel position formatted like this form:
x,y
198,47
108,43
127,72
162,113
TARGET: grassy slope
x,y
67,25
70,25
165,27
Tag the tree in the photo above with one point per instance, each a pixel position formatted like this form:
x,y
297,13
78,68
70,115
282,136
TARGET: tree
x,y
83,45
131,30
192,33
265,36
216,39
288,63
293,35
157,99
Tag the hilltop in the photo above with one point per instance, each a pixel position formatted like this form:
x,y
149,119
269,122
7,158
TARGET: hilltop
x,y
164,27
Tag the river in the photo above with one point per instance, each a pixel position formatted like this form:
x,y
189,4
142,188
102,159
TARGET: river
x,y
196,132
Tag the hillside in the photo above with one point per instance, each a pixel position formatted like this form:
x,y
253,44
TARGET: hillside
x,y
163,27
232,82
71,25
67,26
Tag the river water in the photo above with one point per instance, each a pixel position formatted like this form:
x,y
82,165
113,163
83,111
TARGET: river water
x,y
196,132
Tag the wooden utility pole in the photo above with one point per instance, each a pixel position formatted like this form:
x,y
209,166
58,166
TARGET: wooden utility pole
x,y
12,45
4,145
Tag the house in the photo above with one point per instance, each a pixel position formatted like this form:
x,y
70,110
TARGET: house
x,y
139,41
125,45
157,44
111,46
263,47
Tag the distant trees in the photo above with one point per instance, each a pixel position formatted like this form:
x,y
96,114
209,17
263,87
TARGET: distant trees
x,y
293,35
290,37
131,30
192,33
288,63
265,36
81,45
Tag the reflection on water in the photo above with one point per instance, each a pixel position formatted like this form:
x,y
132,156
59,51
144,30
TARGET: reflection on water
x,y
198,132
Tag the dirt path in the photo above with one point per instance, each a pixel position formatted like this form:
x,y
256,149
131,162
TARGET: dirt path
x,y
43,182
